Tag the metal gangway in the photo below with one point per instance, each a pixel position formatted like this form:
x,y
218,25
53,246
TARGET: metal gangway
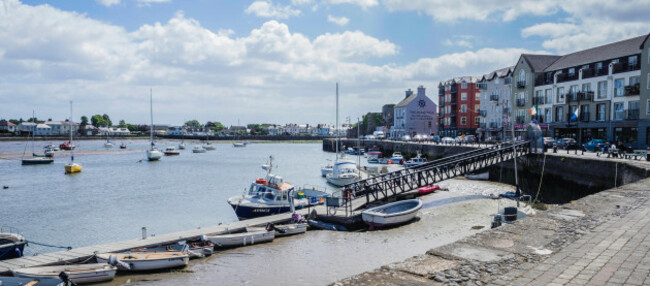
x,y
408,179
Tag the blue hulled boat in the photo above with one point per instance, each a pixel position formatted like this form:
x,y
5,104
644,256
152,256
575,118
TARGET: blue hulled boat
x,y
12,243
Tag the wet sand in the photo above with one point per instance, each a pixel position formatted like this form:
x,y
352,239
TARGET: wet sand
x,y
323,257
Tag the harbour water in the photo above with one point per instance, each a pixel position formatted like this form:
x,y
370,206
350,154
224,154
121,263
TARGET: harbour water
x,y
116,195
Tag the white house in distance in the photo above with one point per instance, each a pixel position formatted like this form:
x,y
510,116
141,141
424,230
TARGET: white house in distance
x,y
415,114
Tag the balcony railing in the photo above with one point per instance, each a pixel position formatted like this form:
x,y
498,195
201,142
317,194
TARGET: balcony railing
x,y
520,119
538,100
631,90
601,71
521,84
625,67
571,96
584,116
585,95
632,114
494,97
587,73
521,102
483,112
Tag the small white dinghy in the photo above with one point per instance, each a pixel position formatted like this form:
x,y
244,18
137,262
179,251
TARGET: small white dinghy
x,y
250,237
288,229
391,214
77,273
143,261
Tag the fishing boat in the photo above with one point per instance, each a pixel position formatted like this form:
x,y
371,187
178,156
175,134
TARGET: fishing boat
x,y
249,237
209,147
396,158
272,195
287,229
418,160
392,213
238,144
71,167
344,172
146,261
12,243
123,145
196,249
198,149
171,151
152,154
181,146
77,273
67,146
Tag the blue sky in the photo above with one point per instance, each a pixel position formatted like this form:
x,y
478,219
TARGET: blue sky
x,y
274,61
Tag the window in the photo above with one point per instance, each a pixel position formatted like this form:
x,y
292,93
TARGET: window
x,y
463,108
585,67
547,114
572,72
586,87
599,67
601,110
632,61
477,108
573,89
463,120
559,112
477,120
548,95
619,89
618,111
463,85
560,95
478,96
602,89
616,61
477,86
647,110
448,97
463,96
634,80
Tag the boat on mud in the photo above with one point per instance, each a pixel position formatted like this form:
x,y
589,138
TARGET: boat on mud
x,y
390,214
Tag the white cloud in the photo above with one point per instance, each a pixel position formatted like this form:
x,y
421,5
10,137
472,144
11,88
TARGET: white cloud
x,y
149,2
363,3
266,9
301,2
463,41
341,21
108,3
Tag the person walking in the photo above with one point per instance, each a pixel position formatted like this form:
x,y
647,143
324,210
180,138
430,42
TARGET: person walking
x,y
613,150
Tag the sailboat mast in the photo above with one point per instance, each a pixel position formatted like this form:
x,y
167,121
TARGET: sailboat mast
x,y
33,131
70,125
337,121
151,113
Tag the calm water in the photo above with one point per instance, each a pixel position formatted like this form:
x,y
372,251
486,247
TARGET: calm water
x,y
116,195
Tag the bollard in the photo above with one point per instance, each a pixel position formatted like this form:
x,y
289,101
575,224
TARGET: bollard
x,y
144,232
647,154
583,149
567,149
576,150
554,147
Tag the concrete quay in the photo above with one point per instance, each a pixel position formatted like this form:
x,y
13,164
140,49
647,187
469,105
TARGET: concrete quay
x,y
600,239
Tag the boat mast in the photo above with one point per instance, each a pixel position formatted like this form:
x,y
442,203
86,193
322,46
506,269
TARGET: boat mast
x,y
33,131
338,139
359,146
71,144
151,113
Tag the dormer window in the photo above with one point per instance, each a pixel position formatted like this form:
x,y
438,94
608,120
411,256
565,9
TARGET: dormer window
x,y
522,76
464,85
572,72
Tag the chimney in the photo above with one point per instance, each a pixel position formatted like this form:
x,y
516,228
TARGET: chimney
x,y
421,91
409,93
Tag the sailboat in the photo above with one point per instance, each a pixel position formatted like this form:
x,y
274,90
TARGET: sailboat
x,y
108,143
344,170
152,154
72,167
181,146
35,159
208,146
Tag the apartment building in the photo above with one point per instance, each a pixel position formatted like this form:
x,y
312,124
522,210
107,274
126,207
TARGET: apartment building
x,y
496,98
459,100
415,114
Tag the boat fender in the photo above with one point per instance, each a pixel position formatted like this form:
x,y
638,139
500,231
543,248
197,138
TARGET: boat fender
x,y
112,260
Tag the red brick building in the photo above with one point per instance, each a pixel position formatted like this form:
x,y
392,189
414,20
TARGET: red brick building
x,y
459,103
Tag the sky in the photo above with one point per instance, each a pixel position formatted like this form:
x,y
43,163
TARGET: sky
x,y
241,62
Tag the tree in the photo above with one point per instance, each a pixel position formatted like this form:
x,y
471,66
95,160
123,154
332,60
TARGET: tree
x,y
132,127
107,119
14,121
84,120
97,120
122,123
217,126
193,123
32,119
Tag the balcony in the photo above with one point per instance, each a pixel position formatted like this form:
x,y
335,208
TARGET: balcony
x,y
587,73
601,71
632,90
584,116
441,91
632,114
521,101
494,97
493,125
571,96
538,100
520,119
483,112
625,67
585,95
521,84
454,89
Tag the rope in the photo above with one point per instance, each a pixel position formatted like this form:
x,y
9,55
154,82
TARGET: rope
x,y
49,245
539,188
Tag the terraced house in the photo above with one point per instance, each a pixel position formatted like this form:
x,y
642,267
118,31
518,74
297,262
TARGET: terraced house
x,y
459,106
593,93
496,90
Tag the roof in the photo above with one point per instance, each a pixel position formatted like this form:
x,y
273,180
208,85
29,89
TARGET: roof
x,y
468,79
500,73
43,126
604,52
6,123
538,63
407,100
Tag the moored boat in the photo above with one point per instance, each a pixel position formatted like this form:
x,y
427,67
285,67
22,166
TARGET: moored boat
x,y
67,146
418,160
37,161
326,226
343,173
49,153
198,149
287,229
171,151
397,158
250,237
18,281
181,146
71,167
12,243
153,154
392,213
428,189
196,249
209,147
77,273
326,170
123,145
238,144
145,261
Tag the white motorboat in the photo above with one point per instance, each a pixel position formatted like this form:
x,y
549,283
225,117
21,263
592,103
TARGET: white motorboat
x,y
171,151
272,195
289,229
250,237
198,149
145,261
326,170
77,273
344,172
108,144
238,144
397,158
181,146
153,154
415,161
209,147
392,213
12,243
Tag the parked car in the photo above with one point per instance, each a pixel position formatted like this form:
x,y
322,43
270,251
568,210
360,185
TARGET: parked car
x,y
406,138
370,137
435,138
593,144
470,139
567,144
447,140
548,142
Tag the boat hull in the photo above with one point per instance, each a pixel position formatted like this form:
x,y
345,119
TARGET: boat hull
x,y
375,217
340,182
172,153
80,274
209,147
242,239
147,264
154,155
198,150
12,250
290,229
72,168
37,161
248,212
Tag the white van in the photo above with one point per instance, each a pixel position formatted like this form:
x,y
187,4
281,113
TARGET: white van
x,y
378,134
